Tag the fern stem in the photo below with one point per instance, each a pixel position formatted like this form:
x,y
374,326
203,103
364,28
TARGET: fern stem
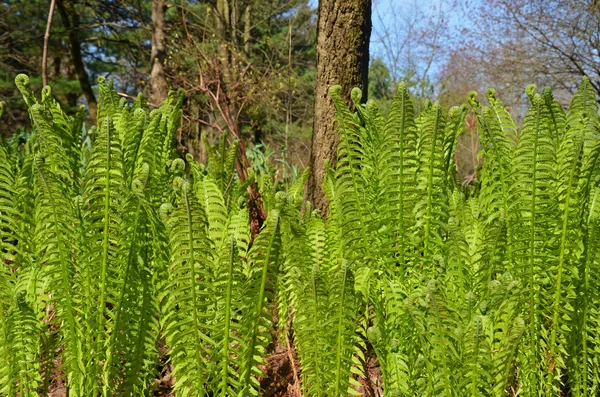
x,y
340,334
258,309
104,265
226,331
191,253
561,256
532,288
430,184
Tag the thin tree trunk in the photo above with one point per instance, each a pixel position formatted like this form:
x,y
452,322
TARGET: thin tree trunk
x,y
224,34
158,54
71,21
46,39
234,22
343,33
247,26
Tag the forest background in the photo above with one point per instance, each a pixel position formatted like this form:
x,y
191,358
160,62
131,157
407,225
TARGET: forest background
x,y
248,67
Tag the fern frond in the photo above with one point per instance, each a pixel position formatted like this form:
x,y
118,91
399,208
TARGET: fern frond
x,y
131,348
22,83
497,147
532,216
506,328
399,153
103,194
354,198
221,161
557,115
264,264
190,291
211,198
228,379
431,211
454,128
393,347
50,142
23,349
583,374
134,133
310,297
571,203
53,234
108,103
477,358
583,101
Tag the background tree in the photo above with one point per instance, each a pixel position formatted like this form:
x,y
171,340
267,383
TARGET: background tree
x,y
233,59
157,57
89,39
409,38
72,23
380,81
343,35
509,44
256,56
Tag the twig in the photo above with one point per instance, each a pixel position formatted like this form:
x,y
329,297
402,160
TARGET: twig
x,y
46,39
292,363
197,120
124,95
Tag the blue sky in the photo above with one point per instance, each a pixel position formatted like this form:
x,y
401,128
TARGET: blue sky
x,y
381,7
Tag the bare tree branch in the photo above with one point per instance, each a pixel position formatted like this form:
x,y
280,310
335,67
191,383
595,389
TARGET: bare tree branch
x,y
46,39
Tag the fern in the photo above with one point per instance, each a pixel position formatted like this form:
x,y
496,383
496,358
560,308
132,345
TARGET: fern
x,y
24,349
103,192
531,218
400,158
448,290
189,294
263,257
134,328
533,183
53,215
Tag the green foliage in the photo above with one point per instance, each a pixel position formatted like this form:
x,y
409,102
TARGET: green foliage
x,y
94,282
116,252
483,291
380,80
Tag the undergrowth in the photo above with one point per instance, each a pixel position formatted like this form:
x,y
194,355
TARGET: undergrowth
x,y
118,255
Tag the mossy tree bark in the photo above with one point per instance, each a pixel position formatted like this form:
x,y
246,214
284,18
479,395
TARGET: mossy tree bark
x,y
343,33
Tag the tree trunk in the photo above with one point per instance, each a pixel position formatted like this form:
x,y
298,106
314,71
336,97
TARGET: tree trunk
x,y
71,21
343,33
247,27
158,54
225,36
